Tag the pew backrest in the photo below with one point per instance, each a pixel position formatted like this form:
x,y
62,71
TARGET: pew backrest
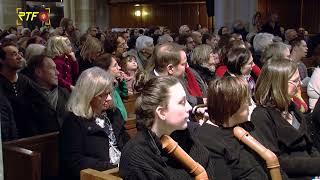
x,y
34,158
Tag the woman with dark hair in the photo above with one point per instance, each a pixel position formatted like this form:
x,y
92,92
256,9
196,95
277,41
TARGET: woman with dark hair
x,y
108,62
228,106
161,109
278,124
240,63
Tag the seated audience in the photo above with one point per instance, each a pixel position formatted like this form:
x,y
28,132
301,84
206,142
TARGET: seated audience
x,y
129,67
161,109
60,50
170,59
299,50
204,61
93,134
90,50
228,102
50,100
7,122
313,88
109,63
278,124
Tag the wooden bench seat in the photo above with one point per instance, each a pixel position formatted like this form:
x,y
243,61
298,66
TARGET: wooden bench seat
x,y
32,158
91,174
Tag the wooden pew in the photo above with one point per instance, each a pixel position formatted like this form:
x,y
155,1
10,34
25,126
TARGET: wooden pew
x,y
131,126
130,104
32,158
91,174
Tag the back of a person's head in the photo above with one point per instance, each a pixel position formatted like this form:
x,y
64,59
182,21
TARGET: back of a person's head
x,y
184,29
201,54
275,50
261,41
166,54
225,97
237,57
205,37
143,42
33,50
166,38
57,46
104,61
91,83
272,84
155,92
90,46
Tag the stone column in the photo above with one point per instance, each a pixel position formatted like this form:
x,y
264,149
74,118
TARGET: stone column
x,y
8,15
227,11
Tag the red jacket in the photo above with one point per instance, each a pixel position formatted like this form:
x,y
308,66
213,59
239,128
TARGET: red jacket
x,y
67,68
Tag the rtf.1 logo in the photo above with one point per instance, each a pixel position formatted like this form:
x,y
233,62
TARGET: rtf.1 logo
x,y
43,16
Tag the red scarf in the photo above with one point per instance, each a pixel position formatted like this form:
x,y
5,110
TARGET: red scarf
x,y
192,84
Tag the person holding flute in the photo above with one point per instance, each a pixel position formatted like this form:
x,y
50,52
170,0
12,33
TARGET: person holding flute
x,y
162,109
278,124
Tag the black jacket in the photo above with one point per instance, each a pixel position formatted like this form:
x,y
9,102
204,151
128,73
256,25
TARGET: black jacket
x,y
222,144
297,155
84,144
143,158
8,124
314,125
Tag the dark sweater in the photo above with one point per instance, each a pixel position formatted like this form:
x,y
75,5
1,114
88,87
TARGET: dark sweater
x,y
84,144
143,158
222,144
298,157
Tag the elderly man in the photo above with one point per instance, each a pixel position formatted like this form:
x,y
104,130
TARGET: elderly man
x,y
197,37
166,38
290,34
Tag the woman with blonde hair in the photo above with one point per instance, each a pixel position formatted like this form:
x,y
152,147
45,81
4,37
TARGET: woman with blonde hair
x,y
92,134
90,50
278,124
60,50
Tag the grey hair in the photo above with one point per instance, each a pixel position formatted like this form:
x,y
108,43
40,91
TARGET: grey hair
x,y
274,51
143,42
33,50
261,41
91,83
164,39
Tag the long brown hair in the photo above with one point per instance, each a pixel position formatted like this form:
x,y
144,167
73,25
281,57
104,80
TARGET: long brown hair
x,y
272,84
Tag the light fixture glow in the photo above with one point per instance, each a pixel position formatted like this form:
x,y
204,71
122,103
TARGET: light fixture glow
x,y
137,13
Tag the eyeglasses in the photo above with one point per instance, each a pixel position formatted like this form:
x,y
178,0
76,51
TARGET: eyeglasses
x,y
295,82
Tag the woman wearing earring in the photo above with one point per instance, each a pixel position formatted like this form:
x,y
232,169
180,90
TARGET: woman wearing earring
x,y
92,134
278,124
161,109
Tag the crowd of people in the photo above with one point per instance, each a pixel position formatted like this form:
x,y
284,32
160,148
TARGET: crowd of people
x,y
193,85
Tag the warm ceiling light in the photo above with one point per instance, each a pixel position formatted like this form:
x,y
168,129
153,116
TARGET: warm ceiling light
x,y
137,13
137,5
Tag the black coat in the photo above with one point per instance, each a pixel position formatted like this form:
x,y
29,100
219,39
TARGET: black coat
x,y
222,144
84,144
298,158
143,158
314,124
8,124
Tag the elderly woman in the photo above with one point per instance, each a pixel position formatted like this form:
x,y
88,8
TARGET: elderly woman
x,y
228,107
161,109
92,134
276,50
60,50
279,125
205,60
